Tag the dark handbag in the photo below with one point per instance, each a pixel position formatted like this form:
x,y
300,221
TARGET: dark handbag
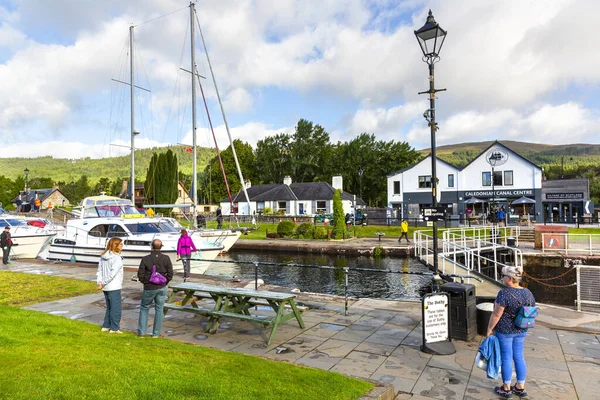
x,y
526,315
156,278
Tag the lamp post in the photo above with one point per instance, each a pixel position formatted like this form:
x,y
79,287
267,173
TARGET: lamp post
x,y
26,171
431,38
495,158
360,174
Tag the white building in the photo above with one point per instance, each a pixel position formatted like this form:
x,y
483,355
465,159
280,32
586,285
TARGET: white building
x,y
289,198
468,188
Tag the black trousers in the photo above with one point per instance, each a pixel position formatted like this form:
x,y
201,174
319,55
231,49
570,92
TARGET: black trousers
x,y
5,253
404,235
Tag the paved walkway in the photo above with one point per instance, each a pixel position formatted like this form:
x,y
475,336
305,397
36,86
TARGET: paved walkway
x,y
377,340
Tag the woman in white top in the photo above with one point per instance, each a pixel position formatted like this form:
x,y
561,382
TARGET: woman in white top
x,y
110,281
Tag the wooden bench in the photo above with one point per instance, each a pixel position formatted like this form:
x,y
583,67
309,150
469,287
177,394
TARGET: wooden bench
x,y
234,303
253,302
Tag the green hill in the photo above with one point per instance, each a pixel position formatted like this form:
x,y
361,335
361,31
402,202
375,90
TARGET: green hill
x,y
69,170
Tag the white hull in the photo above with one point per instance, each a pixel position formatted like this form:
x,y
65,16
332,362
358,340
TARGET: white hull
x,y
132,255
29,246
225,238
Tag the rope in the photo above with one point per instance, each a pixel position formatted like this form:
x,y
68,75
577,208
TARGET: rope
x,y
550,285
548,279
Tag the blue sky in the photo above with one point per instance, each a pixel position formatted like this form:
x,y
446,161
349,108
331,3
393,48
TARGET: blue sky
x,y
514,70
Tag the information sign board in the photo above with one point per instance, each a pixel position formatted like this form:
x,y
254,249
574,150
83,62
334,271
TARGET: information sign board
x,y
433,213
435,318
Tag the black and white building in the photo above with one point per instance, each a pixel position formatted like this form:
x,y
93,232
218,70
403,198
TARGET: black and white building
x,y
497,175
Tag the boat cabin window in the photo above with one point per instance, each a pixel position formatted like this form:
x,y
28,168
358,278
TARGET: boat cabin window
x,y
11,221
108,230
151,227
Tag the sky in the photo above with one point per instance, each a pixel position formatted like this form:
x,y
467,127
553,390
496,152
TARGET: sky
x,y
513,70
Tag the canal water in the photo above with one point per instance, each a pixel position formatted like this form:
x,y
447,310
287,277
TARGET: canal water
x,y
328,281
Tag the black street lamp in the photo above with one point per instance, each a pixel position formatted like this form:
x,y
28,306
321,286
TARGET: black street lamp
x,y
26,171
431,38
360,174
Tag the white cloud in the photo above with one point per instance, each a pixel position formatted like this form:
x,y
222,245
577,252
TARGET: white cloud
x,y
238,100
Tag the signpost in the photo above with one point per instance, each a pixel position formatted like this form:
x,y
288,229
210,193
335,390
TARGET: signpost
x,y
436,324
431,214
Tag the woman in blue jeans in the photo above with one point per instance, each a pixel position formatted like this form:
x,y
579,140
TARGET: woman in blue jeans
x,y
511,338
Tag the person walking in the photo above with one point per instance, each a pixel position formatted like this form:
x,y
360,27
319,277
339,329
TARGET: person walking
x,y
512,338
153,293
37,204
185,247
110,280
6,243
219,218
50,210
404,230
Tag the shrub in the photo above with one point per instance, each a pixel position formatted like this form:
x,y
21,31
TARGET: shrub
x,y
320,232
285,228
305,230
268,210
272,235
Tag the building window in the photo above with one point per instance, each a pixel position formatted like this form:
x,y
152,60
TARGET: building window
x,y
321,207
508,178
424,181
179,192
281,205
450,180
497,178
486,178
260,207
396,187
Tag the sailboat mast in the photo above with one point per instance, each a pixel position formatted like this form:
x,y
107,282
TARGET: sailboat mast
x,y
132,178
237,164
195,158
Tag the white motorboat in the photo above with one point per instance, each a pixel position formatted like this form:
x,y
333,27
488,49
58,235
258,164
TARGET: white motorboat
x,y
28,240
104,217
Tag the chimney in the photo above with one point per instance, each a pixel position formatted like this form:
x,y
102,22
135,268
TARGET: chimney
x,y
248,184
337,182
287,180
54,187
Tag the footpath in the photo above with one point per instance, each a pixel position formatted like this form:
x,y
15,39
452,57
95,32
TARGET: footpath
x,y
378,340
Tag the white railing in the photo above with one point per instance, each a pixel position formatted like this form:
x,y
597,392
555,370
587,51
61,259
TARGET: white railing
x,y
571,243
588,287
469,249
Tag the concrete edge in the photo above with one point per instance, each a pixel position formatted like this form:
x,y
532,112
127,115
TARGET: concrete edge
x,y
379,392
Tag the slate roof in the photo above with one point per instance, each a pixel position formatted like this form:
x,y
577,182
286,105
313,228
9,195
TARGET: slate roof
x,y
295,191
43,194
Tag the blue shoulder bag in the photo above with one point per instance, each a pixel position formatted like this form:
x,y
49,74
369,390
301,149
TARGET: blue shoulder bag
x,y
526,315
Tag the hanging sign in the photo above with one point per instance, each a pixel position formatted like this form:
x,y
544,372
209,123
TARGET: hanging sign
x,y
436,322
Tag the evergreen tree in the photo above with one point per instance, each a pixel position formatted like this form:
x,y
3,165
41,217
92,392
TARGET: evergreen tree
x,y
161,179
339,220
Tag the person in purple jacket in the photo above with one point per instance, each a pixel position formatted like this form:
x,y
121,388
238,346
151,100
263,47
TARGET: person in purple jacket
x,y
185,247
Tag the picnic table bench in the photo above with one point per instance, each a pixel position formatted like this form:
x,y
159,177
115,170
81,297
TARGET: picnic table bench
x,y
234,303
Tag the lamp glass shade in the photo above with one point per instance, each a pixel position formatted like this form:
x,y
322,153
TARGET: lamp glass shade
x,y
431,37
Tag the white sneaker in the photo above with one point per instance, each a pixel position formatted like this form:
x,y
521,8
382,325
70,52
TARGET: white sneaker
x,y
117,332
104,329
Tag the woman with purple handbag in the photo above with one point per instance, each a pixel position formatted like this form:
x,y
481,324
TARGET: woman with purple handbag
x,y
509,331
155,272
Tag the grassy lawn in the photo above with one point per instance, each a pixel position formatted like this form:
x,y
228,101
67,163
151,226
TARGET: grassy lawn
x,y
51,357
18,289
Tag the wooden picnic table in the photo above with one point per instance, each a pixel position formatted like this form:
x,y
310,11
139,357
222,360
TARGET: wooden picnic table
x,y
234,303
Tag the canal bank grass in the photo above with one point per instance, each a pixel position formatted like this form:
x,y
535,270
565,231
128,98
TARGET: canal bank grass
x,y
49,357
361,231
20,289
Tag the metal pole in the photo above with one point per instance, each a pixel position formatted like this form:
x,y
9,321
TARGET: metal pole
x,y
432,124
346,291
132,94
194,161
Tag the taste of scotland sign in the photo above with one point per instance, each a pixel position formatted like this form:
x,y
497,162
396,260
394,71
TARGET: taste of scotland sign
x,y
511,193
564,196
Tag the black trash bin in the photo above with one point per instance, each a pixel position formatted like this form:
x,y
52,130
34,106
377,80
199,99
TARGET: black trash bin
x,y
484,312
463,311
510,241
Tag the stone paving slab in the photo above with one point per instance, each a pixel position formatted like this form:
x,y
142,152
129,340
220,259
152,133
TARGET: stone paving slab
x,y
378,340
